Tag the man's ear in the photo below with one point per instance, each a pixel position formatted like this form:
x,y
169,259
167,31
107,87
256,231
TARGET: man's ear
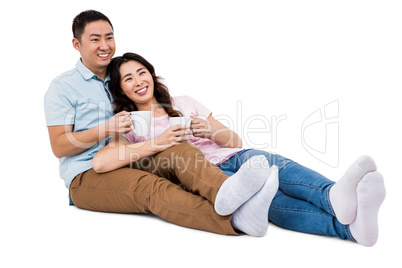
x,y
76,44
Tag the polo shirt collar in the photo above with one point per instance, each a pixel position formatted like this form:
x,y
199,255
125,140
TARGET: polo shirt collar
x,y
86,73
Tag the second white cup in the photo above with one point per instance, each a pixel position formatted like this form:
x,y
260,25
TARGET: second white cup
x,y
180,121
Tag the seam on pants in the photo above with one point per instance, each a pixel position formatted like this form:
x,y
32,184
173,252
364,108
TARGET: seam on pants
x,y
298,210
328,201
297,183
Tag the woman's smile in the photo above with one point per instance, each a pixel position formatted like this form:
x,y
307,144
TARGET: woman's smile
x,y
142,91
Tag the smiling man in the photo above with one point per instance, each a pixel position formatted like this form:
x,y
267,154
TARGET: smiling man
x,y
96,45
78,106
80,121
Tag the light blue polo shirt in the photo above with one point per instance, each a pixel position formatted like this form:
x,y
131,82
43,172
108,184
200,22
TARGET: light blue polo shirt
x,y
80,98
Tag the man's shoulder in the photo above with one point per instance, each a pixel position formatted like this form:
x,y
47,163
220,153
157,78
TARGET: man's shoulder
x,y
67,82
67,77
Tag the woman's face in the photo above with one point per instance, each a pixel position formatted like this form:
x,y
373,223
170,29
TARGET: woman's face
x,y
136,82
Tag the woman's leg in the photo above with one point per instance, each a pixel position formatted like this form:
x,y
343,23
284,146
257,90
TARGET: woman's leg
x,y
338,199
302,183
301,216
302,201
309,198
127,190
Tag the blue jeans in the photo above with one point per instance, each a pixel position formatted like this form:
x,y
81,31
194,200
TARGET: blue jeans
x,y
302,201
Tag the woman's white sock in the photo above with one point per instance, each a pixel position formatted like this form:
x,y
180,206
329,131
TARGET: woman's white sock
x,y
241,186
343,194
252,217
370,195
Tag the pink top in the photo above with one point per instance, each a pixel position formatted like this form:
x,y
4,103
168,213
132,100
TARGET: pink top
x,y
213,152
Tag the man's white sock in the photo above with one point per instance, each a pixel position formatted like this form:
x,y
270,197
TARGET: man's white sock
x,y
252,217
241,186
343,195
370,195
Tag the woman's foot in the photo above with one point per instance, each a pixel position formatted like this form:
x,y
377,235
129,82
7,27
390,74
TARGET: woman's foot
x,y
343,194
241,186
252,217
370,195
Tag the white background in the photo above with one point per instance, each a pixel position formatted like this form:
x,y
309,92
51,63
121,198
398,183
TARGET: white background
x,y
287,58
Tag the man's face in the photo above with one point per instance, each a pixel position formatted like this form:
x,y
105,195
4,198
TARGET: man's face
x,y
96,46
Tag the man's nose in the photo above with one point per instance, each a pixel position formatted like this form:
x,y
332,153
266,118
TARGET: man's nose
x,y
103,45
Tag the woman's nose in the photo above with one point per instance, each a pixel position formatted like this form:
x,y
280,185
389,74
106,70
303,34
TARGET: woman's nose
x,y
138,81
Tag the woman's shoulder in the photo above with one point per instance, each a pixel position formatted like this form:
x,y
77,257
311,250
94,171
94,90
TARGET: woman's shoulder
x,y
182,99
189,106
185,104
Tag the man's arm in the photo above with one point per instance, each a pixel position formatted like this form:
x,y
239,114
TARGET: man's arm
x,y
65,142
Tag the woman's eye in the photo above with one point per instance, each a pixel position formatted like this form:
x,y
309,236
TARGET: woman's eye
x,y
128,79
142,73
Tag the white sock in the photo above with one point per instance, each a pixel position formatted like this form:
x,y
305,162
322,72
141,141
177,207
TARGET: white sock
x,y
370,195
252,217
241,186
343,195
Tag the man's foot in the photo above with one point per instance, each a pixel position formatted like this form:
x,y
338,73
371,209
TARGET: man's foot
x,y
241,186
252,217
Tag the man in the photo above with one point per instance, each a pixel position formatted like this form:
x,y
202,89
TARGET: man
x,y
80,121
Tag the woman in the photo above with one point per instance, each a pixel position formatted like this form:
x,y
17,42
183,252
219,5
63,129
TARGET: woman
x,y
181,163
306,201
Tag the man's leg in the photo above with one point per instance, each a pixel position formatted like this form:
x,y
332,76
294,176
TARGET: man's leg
x,y
185,164
127,190
201,177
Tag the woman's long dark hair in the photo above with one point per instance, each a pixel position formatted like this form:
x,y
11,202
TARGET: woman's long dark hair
x,y
121,102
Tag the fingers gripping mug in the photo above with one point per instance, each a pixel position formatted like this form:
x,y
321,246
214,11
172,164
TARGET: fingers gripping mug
x,y
180,121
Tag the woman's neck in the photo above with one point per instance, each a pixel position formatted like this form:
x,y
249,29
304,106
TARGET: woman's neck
x,y
157,110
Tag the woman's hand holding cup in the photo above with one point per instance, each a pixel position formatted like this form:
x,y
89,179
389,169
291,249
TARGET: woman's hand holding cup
x,y
172,136
201,128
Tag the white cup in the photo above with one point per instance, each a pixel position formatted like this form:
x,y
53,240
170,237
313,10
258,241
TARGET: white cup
x,y
180,121
141,122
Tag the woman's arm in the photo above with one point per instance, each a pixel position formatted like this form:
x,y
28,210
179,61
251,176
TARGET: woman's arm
x,y
120,152
215,131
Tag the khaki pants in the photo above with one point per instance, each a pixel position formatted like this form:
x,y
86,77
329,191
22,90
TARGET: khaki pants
x,y
131,190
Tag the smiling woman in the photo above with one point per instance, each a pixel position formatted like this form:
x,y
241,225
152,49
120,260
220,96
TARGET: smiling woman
x,y
137,86
142,85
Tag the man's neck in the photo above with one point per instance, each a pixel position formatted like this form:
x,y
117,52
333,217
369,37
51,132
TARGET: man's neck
x,y
99,72
102,75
